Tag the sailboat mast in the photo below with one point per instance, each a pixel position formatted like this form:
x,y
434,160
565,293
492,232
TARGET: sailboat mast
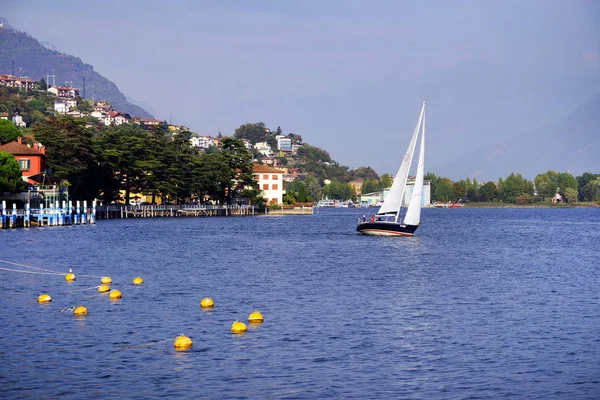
x,y
413,213
408,161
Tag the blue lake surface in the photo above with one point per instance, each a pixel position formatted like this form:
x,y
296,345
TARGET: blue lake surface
x,y
481,304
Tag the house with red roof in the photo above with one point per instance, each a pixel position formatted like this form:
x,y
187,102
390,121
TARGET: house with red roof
x,y
32,160
270,181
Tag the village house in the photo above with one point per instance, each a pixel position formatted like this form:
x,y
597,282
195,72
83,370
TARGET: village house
x,y
20,82
247,144
8,80
25,83
284,144
270,181
18,120
201,142
116,118
264,148
148,123
4,115
63,91
98,114
32,160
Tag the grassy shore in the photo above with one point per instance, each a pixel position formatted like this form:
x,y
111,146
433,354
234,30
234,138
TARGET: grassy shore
x,y
534,205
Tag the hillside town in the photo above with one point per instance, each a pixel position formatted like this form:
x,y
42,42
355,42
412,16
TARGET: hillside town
x,y
285,169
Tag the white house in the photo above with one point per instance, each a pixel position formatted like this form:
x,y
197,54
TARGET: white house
x,y
18,120
264,148
62,91
98,114
61,107
201,142
116,118
270,181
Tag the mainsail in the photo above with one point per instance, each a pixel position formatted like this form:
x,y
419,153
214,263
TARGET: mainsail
x,y
393,200
413,213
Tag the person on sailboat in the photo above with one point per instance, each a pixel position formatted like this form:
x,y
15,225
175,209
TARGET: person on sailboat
x,y
372,218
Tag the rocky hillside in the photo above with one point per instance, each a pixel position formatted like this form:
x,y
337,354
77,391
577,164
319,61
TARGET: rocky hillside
x,y
33,59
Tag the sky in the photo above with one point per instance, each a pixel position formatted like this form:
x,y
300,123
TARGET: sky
x,y
349,76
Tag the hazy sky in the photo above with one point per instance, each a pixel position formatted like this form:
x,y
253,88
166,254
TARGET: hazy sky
x,y
349,76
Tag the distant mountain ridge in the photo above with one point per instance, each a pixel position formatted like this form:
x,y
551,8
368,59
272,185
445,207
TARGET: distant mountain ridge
x,y
33,59
570,144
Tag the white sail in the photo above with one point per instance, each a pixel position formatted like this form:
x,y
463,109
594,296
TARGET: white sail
x,y
393,201
413,213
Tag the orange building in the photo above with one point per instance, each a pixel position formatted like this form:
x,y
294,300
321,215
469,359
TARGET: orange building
x,y
32,160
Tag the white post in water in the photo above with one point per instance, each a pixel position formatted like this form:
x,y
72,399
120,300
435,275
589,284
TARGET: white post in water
x,y
93,217
70,212
77,213
3,219
64,212
85,213
56,213
51,215
59,213
41,215
13,220
27,216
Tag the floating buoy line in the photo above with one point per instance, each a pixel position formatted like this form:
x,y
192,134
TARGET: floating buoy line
x,y
181,342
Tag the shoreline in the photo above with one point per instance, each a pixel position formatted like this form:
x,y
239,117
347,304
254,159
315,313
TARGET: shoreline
x,y
536,205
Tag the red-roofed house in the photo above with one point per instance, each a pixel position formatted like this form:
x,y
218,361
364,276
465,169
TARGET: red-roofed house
x,y
32,160
270,181
62,91
116,118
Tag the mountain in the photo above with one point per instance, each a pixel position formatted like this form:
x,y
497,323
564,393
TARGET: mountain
x,y
33,59
570,144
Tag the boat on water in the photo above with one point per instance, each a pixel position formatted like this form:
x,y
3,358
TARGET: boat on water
x,y
390,220
326,203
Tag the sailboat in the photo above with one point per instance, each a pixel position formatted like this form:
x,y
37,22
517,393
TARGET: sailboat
x,y
388,221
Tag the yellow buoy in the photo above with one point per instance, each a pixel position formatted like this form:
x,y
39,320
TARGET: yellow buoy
x,y
182,342
106,280
70,277
115,294
207,302
44,298
138,281
256,318
103,288
81,310
238,327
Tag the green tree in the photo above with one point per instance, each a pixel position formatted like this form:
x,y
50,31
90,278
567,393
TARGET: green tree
x,y
545,187
582,182
69,154
8,131
10,174
570,195
512,187
239,160
443,191
458,191
314,191
566,181
253,132
386,181
488,192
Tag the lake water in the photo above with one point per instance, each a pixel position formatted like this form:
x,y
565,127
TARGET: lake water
x,y
482,303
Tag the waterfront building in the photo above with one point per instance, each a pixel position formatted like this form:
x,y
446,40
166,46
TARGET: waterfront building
x,y
32,160
270,181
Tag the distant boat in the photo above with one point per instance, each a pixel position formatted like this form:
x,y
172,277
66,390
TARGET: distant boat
x,y
326,203
385,223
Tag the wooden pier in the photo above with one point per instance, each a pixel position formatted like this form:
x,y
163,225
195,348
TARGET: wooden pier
x,y
80,214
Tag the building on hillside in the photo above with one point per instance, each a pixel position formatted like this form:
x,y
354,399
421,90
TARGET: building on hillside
x,y
25,83
248,144
102,106
270,181
148,123
60,106
270,161
32,160
356,185
116,118
8,80
264,148
63,91
18,120
284,144
295,148
201,142
98,114
4,115
75,114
